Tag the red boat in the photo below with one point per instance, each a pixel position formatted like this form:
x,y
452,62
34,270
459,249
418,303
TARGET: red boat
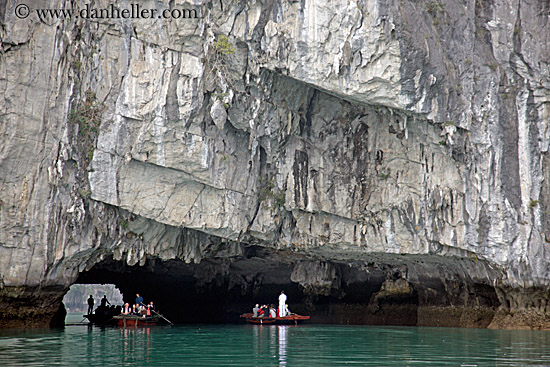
x,y
134,320
294,318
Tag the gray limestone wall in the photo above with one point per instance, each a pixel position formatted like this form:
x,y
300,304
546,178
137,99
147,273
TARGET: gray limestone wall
x,y
337,130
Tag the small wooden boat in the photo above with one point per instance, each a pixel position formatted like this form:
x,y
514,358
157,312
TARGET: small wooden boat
x,y
258,320
99,319
134,320
102,316
293,318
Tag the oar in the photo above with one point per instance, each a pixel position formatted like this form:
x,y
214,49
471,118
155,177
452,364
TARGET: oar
x,y
163,317
170,322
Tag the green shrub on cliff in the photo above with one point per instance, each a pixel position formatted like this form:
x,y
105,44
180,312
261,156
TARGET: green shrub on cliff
x,y
87,116
222,45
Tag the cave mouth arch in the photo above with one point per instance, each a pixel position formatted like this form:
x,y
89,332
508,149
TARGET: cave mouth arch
x,y
383,290
219,290
212,291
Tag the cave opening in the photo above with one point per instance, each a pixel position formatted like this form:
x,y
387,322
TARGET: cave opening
x,y
219,290
76,299
405,291
213,291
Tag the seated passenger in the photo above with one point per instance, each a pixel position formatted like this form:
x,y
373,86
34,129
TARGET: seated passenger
x,y
287,311
272,312
126,309
140,310
150,309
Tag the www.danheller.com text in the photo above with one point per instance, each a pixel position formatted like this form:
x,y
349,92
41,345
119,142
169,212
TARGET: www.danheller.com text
x,y
133,11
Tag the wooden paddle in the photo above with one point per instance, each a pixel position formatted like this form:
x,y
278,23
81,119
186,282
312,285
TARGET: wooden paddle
x,y
170,322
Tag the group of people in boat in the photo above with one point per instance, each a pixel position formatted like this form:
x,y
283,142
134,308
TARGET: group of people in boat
x,y
271,311
138,308
102,309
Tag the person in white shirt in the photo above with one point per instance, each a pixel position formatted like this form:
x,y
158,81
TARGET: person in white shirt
x,y
282,304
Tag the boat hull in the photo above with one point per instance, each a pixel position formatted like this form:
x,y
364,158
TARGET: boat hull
x,y
132,320
99,319
290,319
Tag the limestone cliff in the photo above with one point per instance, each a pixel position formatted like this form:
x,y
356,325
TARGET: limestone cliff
x,y
394,152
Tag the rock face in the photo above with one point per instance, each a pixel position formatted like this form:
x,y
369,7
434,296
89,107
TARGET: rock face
x,y
368,156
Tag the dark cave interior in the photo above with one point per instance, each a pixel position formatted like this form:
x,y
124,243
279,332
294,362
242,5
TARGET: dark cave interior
x,y
219,290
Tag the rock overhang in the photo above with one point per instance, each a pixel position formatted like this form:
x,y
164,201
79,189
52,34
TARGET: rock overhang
x,y
380,131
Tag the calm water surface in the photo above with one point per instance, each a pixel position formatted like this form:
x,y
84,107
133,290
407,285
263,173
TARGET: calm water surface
x,y
256,345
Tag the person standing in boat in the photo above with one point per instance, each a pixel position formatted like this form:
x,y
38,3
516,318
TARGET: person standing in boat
x,y
90,305
104,301
255,310
282,303
139,299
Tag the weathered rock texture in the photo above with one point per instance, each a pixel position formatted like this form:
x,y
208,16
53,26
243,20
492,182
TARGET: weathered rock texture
x,y
405,139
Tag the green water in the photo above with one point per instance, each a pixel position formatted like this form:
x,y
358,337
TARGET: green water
x,y
257,345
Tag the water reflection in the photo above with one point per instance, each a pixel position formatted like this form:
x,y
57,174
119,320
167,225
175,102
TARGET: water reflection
x,y
135,344
282,331
325,345
271,346
270,341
